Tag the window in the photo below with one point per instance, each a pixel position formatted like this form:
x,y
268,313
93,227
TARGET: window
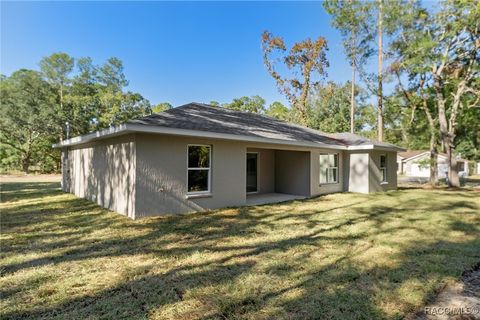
x,y
328,168
383,167
198,168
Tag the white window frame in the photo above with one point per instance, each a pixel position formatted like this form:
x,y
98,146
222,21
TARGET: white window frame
x,y
382,169
209,169
329,168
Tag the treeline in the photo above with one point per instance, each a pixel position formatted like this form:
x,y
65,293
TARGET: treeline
x,y
67,96
430,58
327,109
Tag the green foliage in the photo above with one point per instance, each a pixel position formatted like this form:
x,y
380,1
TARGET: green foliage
x,y
56,68
305,64
27,119
278,111
354,21
329,109
36,106
163,106
467,139
111,75
254,104
438,52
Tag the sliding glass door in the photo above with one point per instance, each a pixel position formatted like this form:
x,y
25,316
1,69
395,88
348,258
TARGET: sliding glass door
x,y
252,172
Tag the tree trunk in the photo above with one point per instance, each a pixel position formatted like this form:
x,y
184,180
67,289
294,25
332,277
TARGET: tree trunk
x,y
453,179
62,113
26,164
446,136
302,102
380,71
352,101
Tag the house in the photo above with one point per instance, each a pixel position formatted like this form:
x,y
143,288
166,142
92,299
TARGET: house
x,y
416,163
197,157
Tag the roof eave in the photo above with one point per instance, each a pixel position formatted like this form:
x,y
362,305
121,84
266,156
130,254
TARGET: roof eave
x,y
375,147
105,133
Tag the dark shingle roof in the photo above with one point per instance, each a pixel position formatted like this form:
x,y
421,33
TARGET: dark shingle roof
x,y
201,117
196,119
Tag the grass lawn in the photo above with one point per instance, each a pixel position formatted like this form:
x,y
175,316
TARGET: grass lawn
x,y
341,256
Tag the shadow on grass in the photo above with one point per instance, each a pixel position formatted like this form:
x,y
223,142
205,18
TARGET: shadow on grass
x,y
341,289
15,191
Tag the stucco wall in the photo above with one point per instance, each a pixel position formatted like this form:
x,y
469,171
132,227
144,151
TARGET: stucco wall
x,y
161,178
146,174
356,171
292,172
103,172
266,169
375,176
317,188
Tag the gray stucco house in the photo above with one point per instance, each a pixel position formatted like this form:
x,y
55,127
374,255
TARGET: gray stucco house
x,y
197,157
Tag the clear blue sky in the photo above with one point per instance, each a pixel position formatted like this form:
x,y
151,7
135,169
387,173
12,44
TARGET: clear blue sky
x,y
177,51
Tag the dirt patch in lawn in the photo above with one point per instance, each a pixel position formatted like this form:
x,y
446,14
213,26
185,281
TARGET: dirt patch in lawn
x,y
459,300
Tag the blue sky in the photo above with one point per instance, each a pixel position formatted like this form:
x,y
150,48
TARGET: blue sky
x,y
172,51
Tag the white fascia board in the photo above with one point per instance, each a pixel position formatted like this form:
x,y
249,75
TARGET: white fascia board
x,y
110,132
361,147
371,147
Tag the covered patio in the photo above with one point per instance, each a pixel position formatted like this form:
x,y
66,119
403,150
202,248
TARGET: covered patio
x,y
277,175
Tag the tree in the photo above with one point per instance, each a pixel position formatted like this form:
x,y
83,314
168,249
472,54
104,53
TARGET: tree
x,y
351,18
26,116
380,71
468,134
306,58
56,69
329,108
442,52
360,22
162,106
255,104
111,75
36,105
278,111
121,107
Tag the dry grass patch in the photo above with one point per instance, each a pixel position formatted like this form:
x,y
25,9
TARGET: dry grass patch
x,y
342,256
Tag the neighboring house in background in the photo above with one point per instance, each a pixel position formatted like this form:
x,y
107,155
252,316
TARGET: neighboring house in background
x,y
197,157
417,164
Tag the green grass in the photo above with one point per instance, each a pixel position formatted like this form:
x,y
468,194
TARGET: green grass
x,y
341,256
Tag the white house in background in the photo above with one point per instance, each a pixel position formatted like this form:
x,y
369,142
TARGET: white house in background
x,y
415,163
